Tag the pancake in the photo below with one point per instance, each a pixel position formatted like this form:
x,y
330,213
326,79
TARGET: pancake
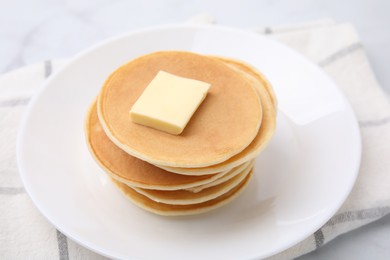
x,y
225,123
264,135
244,67
130,170
184,197
232,173
180,210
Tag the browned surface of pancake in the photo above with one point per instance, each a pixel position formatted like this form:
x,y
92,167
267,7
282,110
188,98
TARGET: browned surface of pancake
x,y
224,124
264,135
129,169
184,197
244,67
177,210
235,171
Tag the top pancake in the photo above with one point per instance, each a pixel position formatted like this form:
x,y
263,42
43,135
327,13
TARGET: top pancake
x,y
267,129
224,124
250,70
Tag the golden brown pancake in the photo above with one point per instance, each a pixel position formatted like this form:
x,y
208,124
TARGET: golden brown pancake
x,y
225,123
264,135
184,197
244,67
179,210
130,170
232,173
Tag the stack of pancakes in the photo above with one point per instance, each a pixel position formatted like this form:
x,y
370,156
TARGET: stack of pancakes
x,y
210,162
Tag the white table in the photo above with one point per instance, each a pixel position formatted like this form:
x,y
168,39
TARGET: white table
x,y
33,31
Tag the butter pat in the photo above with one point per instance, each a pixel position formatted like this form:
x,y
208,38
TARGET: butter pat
x,y
168,102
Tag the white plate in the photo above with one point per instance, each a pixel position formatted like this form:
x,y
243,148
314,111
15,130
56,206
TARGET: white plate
x,y
301,179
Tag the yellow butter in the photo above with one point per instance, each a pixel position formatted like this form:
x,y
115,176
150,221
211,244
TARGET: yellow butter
x,y
168,102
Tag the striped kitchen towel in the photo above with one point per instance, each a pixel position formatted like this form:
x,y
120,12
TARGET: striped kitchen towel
x,y
336,47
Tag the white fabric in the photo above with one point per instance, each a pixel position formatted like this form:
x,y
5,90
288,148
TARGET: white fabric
x,y
24,233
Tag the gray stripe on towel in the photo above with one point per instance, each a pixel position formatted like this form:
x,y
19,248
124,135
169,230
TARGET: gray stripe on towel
x,y
363,214
371,123
319,238
62,246
340,54
11,190
267,30
48,68
348,216
14,102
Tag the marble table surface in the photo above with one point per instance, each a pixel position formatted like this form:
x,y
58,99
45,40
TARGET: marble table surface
x,y
36,30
